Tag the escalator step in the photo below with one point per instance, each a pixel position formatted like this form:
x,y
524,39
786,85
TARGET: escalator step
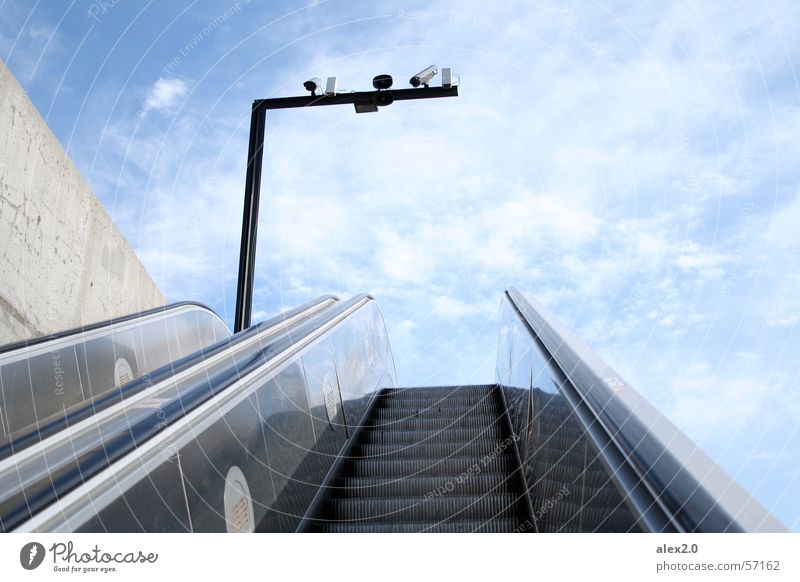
x,y
476,392
489,434
473,422
486,404
421,486
443,508
429,459
477,449
448,468
384,416
432,411
454,526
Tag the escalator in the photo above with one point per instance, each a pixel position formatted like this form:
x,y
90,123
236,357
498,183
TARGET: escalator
x,y
296,425
430,460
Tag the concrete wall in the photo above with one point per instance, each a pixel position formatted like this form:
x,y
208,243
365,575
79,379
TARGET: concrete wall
x,y
63,263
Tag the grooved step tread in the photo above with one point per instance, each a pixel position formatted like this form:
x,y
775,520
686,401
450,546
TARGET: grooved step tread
x,y
418,487
454,402
450,466
424,509
434,412
432,423
489,434
452,526
429,459
439,450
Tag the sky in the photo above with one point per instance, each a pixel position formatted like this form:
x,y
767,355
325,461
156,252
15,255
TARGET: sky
x,y
632,165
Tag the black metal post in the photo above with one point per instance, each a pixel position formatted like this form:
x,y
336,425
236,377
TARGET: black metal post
x,y
255,154
252,193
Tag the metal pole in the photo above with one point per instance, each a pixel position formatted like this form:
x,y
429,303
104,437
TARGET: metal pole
x,y
255,153
252,193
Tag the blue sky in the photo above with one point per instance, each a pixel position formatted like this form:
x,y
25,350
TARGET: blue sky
x,y
632,165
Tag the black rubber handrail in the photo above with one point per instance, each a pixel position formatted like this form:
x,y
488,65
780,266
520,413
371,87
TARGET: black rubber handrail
x,y
32,342
663,492
131,434
74,414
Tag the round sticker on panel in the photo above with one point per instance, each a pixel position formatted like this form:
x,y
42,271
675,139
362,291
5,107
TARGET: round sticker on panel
x,y
239,516
123,373
331,402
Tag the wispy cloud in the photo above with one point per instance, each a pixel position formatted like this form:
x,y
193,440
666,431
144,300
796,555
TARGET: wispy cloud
x,y
165,95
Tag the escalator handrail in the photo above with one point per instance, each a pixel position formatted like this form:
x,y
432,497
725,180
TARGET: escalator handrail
x,y
675,477
87,408
75,331
132,434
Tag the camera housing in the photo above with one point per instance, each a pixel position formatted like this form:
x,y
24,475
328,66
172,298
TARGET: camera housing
x,y
313,85
382,82
424,77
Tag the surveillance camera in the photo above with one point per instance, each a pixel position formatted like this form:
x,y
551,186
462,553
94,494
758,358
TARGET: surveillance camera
x,y
383,98
313,85
424,77
382,82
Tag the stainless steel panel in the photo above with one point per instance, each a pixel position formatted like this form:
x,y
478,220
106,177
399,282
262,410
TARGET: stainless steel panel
x,y
98,360
669,482
325,404
155,504
234,440
289,436
39,382
569,488
363,356
280,436
36,388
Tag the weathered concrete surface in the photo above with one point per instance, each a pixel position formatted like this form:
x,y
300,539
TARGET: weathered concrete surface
x,y
63,263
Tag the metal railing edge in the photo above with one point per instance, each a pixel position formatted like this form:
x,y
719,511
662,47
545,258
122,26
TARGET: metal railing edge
x,y
608,385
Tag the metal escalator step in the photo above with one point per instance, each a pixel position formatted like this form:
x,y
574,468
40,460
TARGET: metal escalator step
x,y
567,433
420,487
428,459
401,509
452,526
450,467
489,433
555,441
564,473
485,405
476,392
555,421
390,414
473,422
574,457
441,450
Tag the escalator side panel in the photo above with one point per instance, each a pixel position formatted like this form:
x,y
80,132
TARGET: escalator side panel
x,y
37,388
235,440
258,422
325,404
363,356
289,437
160,492
569,488
41,382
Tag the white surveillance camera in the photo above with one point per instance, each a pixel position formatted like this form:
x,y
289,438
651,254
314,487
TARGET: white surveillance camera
x,y
424,77
313,85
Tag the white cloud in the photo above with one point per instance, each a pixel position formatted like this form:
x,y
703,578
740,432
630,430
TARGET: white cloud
x,y
451,308
165,95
